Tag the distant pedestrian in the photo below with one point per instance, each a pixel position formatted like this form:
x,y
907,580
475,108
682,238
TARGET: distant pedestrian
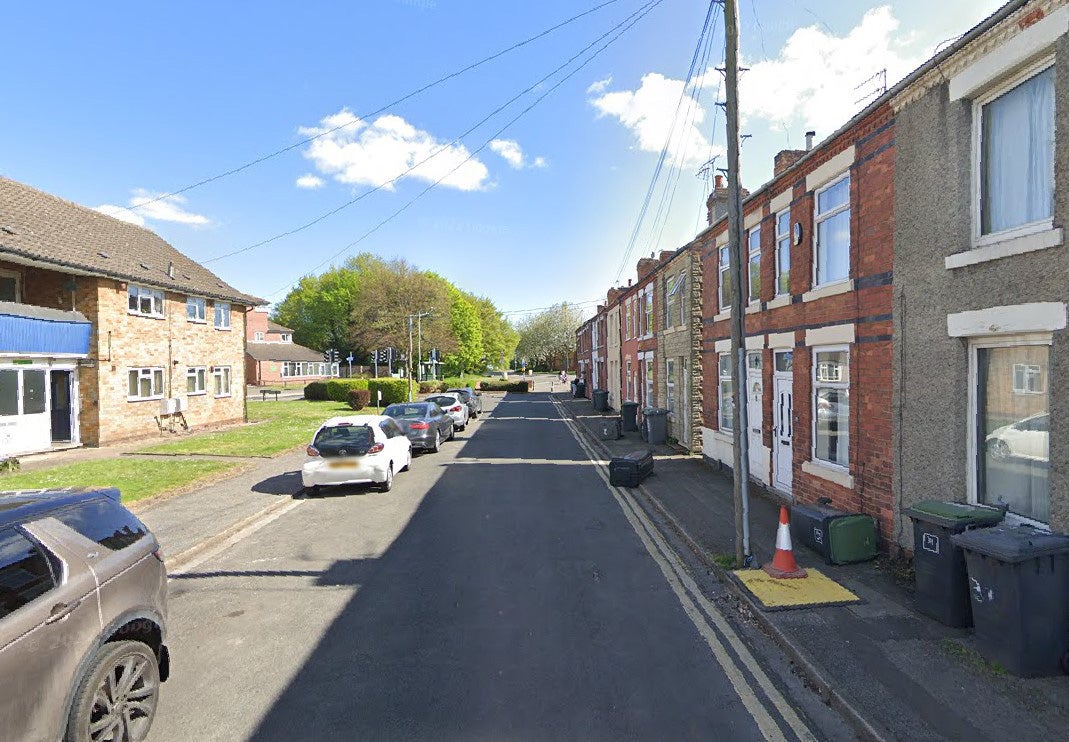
x,y
563,376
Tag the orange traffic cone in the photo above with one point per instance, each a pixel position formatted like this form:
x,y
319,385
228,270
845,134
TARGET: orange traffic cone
x,y
783,565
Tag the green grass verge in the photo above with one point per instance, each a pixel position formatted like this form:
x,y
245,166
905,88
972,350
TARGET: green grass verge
x,y
281,426
135,478
970,657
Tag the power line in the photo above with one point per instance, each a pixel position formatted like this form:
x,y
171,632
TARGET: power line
x,y
553,306
664,150
431,156
402,99
645,10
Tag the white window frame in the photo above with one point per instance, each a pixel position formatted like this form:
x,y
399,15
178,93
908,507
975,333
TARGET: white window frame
x,y
154,295
972,452
1043,225
1028,371
18,282
670,386
148,372
647,371
216,306
681,289
783,238
722,268
721,378
284,337
647,313
819,217
669,293
218,374
200,314
258,337
198,374
814,351
751,253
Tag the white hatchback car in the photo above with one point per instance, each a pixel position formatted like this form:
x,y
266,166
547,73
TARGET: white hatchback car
x,y
454,406
356,449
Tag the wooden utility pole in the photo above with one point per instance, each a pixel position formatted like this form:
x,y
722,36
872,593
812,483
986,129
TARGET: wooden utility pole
x,y
740,426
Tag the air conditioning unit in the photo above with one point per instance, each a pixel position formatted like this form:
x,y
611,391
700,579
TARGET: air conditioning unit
x,y
168,406
180,404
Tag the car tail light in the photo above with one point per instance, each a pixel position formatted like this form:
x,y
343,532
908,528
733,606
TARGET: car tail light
x,y
312,451
376,448
458,408
419,426
158,553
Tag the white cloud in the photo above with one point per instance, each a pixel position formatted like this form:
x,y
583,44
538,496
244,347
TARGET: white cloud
x,y
600,86
310,182
148,206
510,151
814,80
649,113
540,162
362,153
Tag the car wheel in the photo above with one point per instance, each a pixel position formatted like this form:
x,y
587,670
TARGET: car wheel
x,y
437,441
387,484
452,432
117,696
408,463
998,449
312,491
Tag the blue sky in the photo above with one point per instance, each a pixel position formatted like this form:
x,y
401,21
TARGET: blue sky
x,y
114,103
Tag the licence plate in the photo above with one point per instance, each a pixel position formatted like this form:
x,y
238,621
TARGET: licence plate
x,y
343,465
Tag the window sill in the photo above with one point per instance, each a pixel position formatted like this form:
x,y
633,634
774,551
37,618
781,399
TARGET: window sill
x,y
725,314
146,316
223,396
195,394
983,253
752,308
780,301
728,437
222,329
828,289
196,321
144,399
832,473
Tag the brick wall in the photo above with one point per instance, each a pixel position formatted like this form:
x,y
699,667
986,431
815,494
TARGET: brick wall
x,y
122,341
867,306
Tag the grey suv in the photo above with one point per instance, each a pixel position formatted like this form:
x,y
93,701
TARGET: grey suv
x,y
83,597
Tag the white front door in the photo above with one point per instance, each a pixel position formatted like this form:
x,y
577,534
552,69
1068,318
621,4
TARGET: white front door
x,y
755,388
783,422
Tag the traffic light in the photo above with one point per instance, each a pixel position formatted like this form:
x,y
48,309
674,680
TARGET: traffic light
x,y
328,356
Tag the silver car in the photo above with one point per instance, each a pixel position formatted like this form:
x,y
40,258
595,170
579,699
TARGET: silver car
x,y
472,398
454,406
83,605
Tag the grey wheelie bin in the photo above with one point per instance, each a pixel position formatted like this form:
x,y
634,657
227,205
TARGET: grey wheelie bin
x,y
601,400
655,425
629,416
942,582
1019,583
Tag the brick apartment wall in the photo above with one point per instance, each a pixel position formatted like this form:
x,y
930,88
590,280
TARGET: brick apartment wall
x,y
122,341
868,306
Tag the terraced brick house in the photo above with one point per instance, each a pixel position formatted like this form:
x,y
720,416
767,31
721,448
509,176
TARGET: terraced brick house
x,y
107,331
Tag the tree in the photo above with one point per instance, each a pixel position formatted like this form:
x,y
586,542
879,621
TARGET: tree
x,y
318,309
468,332
548,338
499,337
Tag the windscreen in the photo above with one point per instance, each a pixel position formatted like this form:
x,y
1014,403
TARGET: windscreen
x,y
353,439
442,402
406,411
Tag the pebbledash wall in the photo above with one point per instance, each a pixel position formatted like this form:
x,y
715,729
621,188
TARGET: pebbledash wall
x,y
121,341
963,296
833,326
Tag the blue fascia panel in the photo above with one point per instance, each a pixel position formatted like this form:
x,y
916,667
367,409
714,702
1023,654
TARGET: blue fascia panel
x,y
26,335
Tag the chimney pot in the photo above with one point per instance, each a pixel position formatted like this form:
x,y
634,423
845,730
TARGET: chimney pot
x,y
719,181
809,140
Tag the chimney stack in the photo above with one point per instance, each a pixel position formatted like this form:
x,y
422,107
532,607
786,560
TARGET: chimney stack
x,y
646,266
784,159
717,202
809,140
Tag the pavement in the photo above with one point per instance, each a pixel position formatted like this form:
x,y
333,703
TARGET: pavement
x,y
892,672
502,590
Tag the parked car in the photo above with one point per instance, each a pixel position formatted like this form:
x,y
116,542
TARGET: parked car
x,y
425,424
1028,438
83,617
356,449
455,406
472,398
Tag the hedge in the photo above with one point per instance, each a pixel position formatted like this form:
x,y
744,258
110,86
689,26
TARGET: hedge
x,y
504,386
359,398
338,389
393,390
316,391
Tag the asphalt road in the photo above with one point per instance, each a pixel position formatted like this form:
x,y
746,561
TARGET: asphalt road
x,y
501,591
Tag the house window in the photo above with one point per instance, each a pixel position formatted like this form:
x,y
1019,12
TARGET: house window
x,y
196,309
783,253
144,301
832,262
670,385
1015,152
10,286
284,337
222,315
630,382
725,278
753,270
727,398
196,380
649,381
1012,428
647,323
144,383
259,337
221,375
831,405
681,302
671,301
